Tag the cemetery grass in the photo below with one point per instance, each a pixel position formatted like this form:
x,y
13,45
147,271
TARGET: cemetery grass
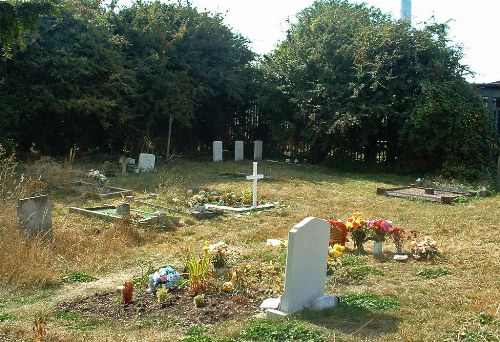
x,y
454,297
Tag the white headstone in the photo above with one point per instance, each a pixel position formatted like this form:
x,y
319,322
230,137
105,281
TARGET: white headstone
x,y
146,162
305,271
257,150
34,216
238,150
254,177
217,147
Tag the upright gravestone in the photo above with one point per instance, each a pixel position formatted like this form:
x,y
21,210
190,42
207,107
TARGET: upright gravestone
x,y
498,175
146,162
217,147
34,216
254,177
257,150
305,271
238,150
123,162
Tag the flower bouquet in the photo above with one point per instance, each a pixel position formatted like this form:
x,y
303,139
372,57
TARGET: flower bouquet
x,y
99,177
425,249
379,228
358,230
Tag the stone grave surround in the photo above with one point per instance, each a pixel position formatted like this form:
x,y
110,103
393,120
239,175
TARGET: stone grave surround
x,y
34,216
305,270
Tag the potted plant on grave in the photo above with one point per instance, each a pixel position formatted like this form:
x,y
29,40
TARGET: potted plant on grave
x,y
358,230
379,228
399,238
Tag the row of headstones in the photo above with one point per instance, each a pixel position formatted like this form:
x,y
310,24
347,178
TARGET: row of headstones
x,y
238,150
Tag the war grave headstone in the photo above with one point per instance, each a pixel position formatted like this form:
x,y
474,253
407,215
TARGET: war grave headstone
x,y
34,215
305,270
257,150
217,151
238,150
146,162
254,178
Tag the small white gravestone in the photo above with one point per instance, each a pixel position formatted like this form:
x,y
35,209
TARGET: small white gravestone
x,y
34,216
257,150
217,147
305,271
146,162
238,150
254,177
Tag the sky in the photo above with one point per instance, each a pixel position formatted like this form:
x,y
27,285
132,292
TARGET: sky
x,y
473,24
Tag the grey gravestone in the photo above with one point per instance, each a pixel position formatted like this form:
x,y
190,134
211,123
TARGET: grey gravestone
x,y
146,162
123,209
498,175
217,146
257,150
305,271
34,216
123,162
238,150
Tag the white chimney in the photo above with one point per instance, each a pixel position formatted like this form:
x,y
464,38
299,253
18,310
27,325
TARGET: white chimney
x,y
406,10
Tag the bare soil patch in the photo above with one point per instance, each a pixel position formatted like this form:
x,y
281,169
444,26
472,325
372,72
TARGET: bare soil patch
x,y
219,307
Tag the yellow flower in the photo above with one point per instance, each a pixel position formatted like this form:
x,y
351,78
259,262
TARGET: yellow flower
x,y
338,250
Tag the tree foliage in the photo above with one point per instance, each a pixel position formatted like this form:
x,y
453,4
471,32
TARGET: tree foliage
x,y
358,79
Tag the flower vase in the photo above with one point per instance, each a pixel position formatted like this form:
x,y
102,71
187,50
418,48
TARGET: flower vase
x,y
377,247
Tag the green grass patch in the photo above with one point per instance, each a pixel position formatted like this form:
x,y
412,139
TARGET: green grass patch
x,y
363,271
27,299
5,316
370,301
351,260
430,273
78,277
272,331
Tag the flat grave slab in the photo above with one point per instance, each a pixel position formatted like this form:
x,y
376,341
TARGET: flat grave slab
x,y
104,192
432,194
109,212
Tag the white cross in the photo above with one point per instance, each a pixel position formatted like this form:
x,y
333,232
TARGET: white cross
x,y
254,177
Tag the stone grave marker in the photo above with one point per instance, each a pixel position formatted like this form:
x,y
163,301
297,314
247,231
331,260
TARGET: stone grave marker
x,y
305,270
254,177
238,150
146,162
123,162
34,216
217,151
257,150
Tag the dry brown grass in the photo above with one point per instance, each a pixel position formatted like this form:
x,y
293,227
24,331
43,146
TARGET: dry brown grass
x,y
467,234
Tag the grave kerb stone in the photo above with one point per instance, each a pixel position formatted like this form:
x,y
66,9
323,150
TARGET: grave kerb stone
x,y
217,151
305,270
35,216
257,150
254,177
238,150
146,162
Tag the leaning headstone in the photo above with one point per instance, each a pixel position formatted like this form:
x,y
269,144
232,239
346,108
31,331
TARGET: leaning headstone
x,y
146,162
257,150
305,271
34,216
498,175
217,153
123,162
238,150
